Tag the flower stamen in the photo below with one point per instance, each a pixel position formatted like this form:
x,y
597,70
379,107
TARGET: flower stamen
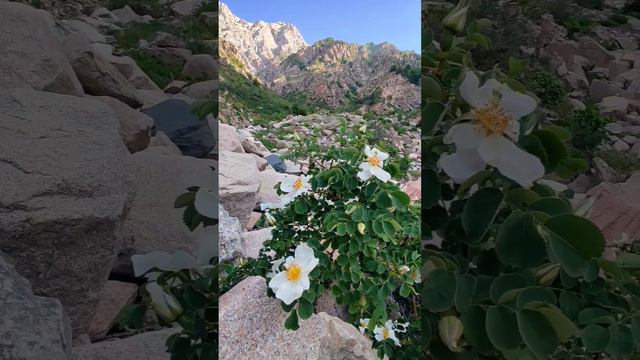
x,y
493,118
374,161
294,272
298,184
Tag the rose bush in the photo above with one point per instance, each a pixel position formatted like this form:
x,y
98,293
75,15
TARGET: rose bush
x,y
511,269
346,229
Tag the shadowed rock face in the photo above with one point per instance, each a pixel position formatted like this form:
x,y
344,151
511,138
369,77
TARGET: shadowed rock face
x,y
66,183
32,327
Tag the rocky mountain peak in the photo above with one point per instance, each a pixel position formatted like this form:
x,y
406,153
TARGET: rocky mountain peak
x,y
261,46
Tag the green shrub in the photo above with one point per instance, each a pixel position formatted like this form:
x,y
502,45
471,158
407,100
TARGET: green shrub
x,y
623,163
587,129
591,4
130,36
549,88
161,73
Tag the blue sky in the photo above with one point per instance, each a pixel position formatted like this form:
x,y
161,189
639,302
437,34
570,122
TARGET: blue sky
x,y
359,21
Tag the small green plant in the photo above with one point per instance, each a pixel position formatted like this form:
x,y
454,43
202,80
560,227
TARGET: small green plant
x,y
623,163
141,7
158,71
587,128
549,88
130,36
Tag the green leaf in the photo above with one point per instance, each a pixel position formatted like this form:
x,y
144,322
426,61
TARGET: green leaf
x,y
552,205
405,291
534,146
570,304
465,292
595,338
480,211
475,329
439,290
431,88
620,340
581,233
519,243
185,199
504,283
305,309
554,147
564,328
571,261
432,113
502,328
480,39
400,199
569,167
479,26
537,332
431,185
516,66
536,293
521,198
382,200
292,321
595,315
300,207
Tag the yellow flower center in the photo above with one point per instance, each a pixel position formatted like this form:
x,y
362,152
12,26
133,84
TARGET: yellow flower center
x,y
493,118
385,333
294,272
297,185
374,161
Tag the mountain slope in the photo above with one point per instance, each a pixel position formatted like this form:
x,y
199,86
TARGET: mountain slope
x,y
260,46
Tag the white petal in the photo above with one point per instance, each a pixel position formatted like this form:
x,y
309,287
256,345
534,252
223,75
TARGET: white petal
x,y
304,254
393,337
304,282
289,291
364,175
513,130
380,174
365,166
517,104
278,281
512,162
461,165
206,203
465,136
287,184
469,88
382,155
367,150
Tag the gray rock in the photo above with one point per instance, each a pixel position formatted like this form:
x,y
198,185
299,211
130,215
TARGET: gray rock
x,y
88,31
201,67
592,50
164,39
32,327
269,179
276,162
174,118
186,7
115,296
251,328
239,184
97,76
617,210
135,127
31,52
229,139
153,223
614,106
126,15
253,241
229,230
130,69
202,90
161,140
145,346
600,89
67,182
167,55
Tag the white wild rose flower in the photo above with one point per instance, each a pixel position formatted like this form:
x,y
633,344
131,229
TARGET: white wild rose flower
x,y
373,165
289,284
296,185
363,324
385,332
490,135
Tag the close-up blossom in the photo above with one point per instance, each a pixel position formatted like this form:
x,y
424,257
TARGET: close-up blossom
x,y
363,324
206,203
373,165
296,185
386,332
289,284
490,136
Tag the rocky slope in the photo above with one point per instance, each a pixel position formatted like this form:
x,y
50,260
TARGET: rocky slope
x,y
334,74
259,46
